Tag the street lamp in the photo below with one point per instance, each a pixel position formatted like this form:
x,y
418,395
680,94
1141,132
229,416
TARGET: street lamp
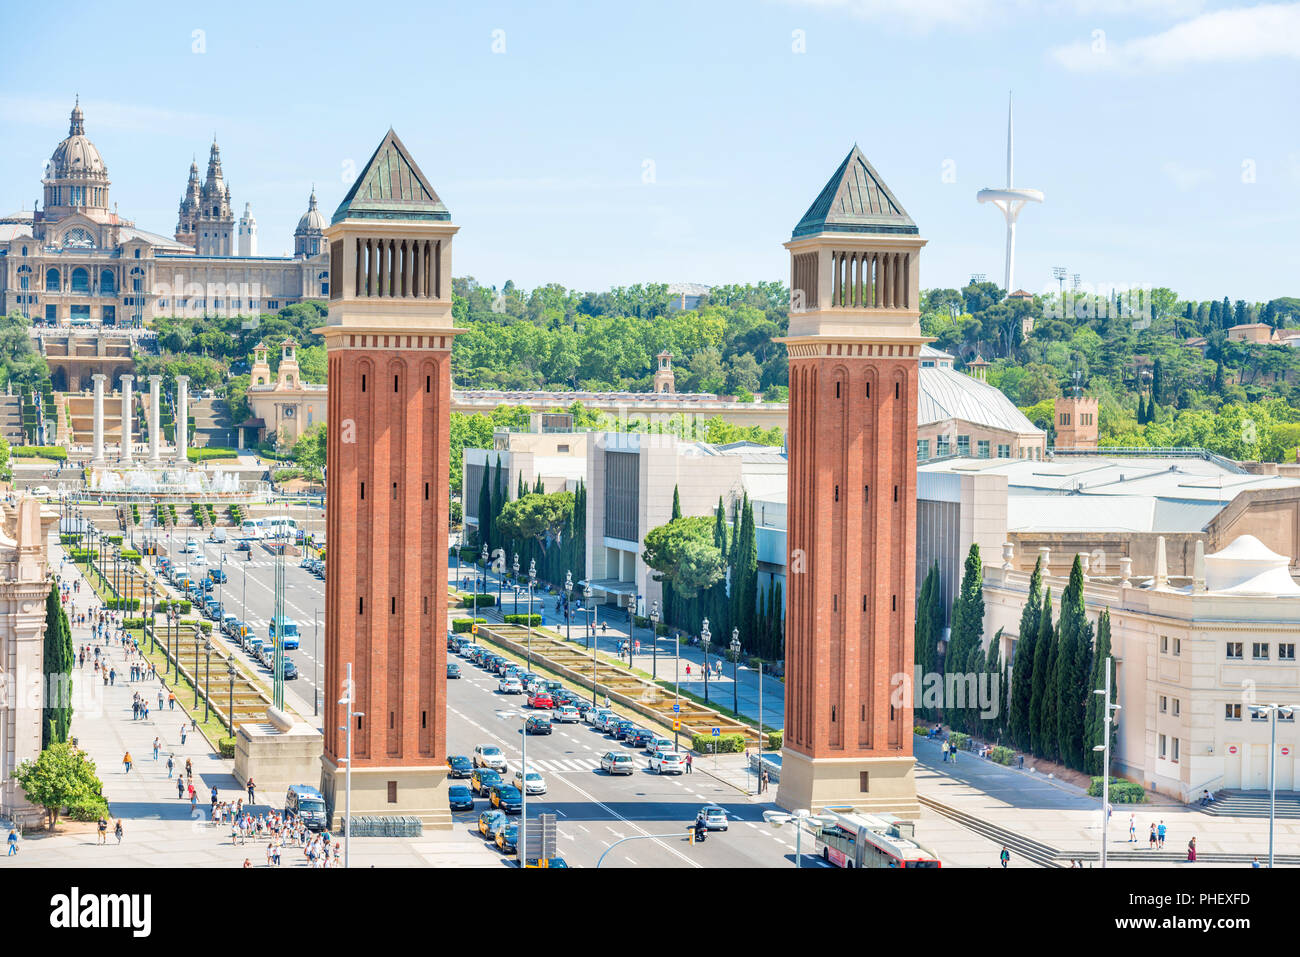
x,y
532,581
486,559
1104,748
1272,710
231,672
207,677
198,646
735,660
586,598
779,819
704,641
654,640
677,684
516,571
349,714
568,606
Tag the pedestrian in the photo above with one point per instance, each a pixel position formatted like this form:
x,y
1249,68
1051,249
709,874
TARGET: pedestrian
x,y
944,748
180,788
1160,836
1151,839
171,701
251,798
13,842
146,710
1254,862
102,827
126,762
184,731
157,746
1191,850
689,762
1132,829
762,782
189,769
171,764
112,676
688,669
1004,857
117,831
953,750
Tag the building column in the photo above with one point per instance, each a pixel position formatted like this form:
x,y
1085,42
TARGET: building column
x,y
182,418
126,457
97,453
155,415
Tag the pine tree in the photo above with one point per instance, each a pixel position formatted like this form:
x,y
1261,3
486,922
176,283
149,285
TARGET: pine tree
x,y
1074,644
1022,673
1043,654
1094,722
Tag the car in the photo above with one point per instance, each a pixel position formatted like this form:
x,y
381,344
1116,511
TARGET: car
x,y
230,625
267,655
553,686
308,805
460,798
484,780
460,766
451,645
566,714
563,697
640,737
507,798
290,669
596,716
453,670
192,547
655,745
668,762
198,558
217,575
621,729
489,756
244,546
510,686
537,724
541,699
535,782
616,763
584,707
507,838
491,821
712,817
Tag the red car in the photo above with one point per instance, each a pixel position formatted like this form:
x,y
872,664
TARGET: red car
x,y
541,699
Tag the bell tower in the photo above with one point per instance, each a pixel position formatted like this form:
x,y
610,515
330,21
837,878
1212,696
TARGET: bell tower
x,y
665,379
854,343
388,341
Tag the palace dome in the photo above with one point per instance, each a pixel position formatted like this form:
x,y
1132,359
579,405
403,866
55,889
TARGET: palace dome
x,y
312,221
76,157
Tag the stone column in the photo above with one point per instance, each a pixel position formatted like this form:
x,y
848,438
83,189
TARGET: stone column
x,y
182,418
97,453
127,382
155,415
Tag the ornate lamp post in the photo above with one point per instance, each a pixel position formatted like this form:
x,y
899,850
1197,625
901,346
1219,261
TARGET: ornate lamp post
x,y
735,660
705,637
515,567
198,646
207,677
231,672
532,582
654,640
486,559
586,597
568,606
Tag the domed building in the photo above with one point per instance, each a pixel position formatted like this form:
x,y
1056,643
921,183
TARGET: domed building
x,y
75,262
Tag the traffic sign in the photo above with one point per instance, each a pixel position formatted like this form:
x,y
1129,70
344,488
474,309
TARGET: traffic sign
x,y
677,708
1286,750
677,725
1232,749
473,629
717,732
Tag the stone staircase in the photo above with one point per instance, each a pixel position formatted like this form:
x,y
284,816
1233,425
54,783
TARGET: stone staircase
x,y
11,419
1254,804
212,424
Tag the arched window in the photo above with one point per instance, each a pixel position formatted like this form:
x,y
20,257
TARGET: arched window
x,y
81,280
51,280
108,283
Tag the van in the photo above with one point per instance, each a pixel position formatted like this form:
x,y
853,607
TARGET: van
x,y
286,629
217,535
305,802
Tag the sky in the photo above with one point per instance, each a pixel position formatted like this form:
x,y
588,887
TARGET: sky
x,y
604,144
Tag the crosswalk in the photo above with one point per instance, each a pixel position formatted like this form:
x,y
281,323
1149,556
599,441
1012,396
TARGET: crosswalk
x,y
565,765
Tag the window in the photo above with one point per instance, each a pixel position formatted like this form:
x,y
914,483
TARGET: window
x,y
922,449
1164,705
1164,644
1259,650
1174,756
1177,708
1178,646
963,445
941,446
1259,716
864,781
1065,418
1004,451
51,280
392,792
562,450
1234,650
1285,716
1164,751
1232,712
1286,651
80,281
983,446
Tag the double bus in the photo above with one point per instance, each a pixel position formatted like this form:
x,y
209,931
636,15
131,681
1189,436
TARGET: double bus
x,y
280,527
849,839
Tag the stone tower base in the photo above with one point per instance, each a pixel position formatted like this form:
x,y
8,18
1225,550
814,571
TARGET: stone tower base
x,y
421,792
837,782
277,753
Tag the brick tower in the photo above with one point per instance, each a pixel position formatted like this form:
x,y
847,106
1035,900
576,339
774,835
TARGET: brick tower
x,y
854,342
388,340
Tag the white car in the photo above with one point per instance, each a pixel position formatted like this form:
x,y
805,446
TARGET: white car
x,y
198,559
595,716
42,491
656,745
489,756
510,686
536,783
614,762
668,762
566,713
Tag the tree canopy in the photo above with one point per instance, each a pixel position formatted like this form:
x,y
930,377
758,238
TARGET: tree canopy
x,y
683,553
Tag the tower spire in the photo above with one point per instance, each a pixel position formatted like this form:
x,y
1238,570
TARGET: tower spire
x,y
1010,200
1011,145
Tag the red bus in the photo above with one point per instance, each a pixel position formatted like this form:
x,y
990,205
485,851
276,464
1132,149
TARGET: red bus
x,y
849,839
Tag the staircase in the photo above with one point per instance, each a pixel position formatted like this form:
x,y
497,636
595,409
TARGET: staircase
x,y
62,428
213,425
11,419
1254,804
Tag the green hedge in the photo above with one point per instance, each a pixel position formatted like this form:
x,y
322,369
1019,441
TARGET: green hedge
x,y
226,747
131,555
1121,791
524,620
775,740
1002,755
462,625
210,452
236,515
185,605
91,809
958,740
661,629
39,452
468,555
119,604
129,623
484,601
725,744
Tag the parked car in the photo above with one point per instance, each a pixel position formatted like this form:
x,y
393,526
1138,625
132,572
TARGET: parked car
x,y
460,798
596,717
460,766
655,745
566,714
507,798
510,686
622,729
668,762
491,821
535,782
541,699
507,838
483,780
290,670
537,724
489,756
639,738
616,763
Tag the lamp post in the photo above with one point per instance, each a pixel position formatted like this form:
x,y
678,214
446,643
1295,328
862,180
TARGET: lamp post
x,y
568,606
486,559
586,597
704,642
349,714
1104,748
198,646
778,819
1272,710
315,663
515,566
231,671
474,614
532,581
735,661
677,684
207,677
654,640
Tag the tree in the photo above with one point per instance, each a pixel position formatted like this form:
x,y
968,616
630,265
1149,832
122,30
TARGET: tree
x,y
309,450
965,647
58,660
683,553
1022,672
1094,720
1074,643
61,776
995,723
926,632
536,517
1044,655
485,508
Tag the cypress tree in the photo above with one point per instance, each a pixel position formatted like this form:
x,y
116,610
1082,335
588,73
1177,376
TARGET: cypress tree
x,y
1044,651
926,635
995,723
485,509
1225,313
1022,673
1094,723
965,649
717,603
496,541
677,503
672,611
1074,648
57,658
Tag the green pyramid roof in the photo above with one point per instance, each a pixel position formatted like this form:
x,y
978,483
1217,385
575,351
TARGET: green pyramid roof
x,y
855,200
391,187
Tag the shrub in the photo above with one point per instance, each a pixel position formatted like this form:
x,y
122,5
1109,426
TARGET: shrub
x,y
1121,791
131,555
917,729
958,740
468,555
661,629
236,514
723,744
123,604
39,452
286,475
484,601
1002,755
130,623
226,746
113,539
210,452
523,620
461,625
775,740
91,809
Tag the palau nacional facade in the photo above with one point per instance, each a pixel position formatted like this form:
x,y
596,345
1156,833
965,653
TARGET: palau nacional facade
x,y
74,261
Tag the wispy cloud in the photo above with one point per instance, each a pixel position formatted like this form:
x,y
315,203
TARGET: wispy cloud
x,y
1225,36
1185,178
924,15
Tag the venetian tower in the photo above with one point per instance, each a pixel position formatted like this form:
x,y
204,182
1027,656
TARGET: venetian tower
x,y
388,340
854,341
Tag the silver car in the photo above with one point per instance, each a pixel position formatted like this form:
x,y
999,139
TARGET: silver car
x,y
613,762
489,756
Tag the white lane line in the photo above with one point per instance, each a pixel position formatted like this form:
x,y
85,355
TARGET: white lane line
x,y
635,826
583,829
